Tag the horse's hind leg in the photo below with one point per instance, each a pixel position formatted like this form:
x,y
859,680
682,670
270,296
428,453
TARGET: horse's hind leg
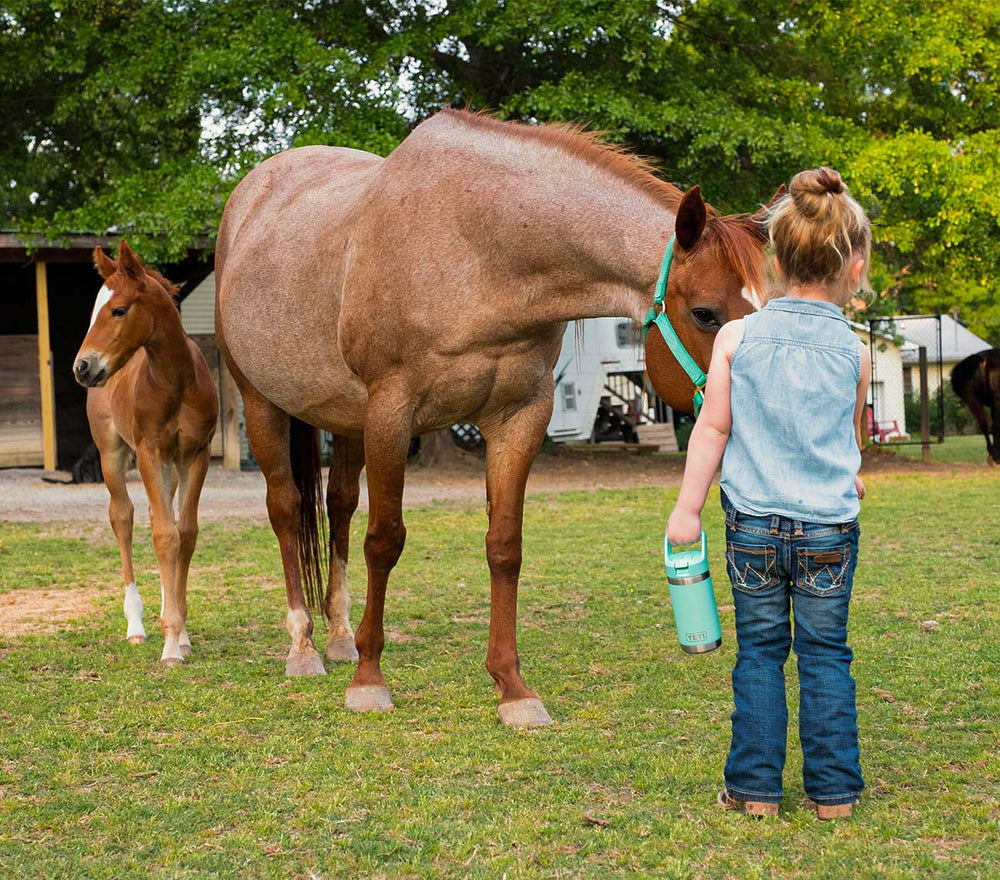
x,y
342,491
114,462
511,447
268,430
191,482
387,439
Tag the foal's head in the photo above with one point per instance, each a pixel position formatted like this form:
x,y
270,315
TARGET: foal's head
x,y
125,314
717,275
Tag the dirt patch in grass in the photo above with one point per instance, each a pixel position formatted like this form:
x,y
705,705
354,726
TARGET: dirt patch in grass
x,y
35,612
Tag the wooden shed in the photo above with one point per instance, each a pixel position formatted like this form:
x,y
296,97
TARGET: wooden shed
x,y
47,296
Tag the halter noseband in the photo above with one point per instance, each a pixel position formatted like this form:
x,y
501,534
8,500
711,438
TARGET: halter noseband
x,y
662,322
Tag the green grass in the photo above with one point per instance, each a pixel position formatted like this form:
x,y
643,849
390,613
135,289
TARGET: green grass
x,y
955,450
113,767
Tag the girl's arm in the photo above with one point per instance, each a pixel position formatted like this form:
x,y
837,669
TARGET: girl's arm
x,y
708,440
859,407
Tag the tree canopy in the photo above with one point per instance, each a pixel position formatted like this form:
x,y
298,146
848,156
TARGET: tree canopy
x,y
141,116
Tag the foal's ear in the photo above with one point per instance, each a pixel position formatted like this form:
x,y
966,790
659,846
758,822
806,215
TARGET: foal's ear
x,y
105,266
691,218
130,264
758,218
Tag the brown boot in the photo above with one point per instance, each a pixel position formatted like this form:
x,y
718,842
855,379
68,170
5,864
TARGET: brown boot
x,y
751,808
832,811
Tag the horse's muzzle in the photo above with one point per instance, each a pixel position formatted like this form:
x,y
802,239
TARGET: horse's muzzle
x,y
90,372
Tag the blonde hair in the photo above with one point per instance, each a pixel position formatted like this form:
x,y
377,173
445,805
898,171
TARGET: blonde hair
x,y
817,230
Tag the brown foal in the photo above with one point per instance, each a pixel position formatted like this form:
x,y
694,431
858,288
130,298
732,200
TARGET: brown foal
x,y
149,391
380,299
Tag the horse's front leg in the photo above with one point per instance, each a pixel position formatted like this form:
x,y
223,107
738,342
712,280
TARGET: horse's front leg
x,y
155,471
342,492
387,439
114,461
192,479
511,447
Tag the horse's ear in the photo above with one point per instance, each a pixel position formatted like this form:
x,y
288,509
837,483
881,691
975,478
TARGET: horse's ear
x,y
105,266
759,217
129,262
691,218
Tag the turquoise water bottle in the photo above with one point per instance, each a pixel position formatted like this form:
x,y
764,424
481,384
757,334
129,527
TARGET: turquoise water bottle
x,y
692,598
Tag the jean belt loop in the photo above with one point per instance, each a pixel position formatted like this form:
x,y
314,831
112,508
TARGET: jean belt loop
x,y
731,516
797,525
775,522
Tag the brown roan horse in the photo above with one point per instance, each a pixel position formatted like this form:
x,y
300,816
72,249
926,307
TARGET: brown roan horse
x,y
149,391
380,299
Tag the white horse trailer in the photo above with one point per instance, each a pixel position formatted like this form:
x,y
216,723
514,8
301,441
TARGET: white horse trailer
x,y
601,391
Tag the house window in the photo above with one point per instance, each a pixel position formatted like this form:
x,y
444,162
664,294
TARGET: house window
x,y
569,395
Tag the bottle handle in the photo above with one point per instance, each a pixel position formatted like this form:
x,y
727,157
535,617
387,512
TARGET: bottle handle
x,y
666,547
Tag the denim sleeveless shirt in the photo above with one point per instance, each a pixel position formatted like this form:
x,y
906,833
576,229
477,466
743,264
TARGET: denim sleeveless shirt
x,y
792,450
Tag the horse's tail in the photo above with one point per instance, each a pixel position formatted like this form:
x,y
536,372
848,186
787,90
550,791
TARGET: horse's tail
x,y
308,475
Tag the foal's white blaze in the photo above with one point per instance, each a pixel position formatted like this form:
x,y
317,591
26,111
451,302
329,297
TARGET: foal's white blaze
x,y
752,297
133,612
103,295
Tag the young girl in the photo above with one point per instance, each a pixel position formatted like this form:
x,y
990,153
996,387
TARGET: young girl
x,y
783,405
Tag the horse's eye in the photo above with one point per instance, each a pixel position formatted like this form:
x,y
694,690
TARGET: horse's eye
x,y
119,311
706,318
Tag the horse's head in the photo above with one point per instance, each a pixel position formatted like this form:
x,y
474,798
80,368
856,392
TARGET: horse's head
x,y
124,315
716,274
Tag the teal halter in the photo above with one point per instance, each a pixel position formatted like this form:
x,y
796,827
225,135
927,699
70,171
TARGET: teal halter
x,y
662,322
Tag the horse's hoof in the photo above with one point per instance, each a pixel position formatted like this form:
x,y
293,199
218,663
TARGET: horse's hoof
x,y
527,712
368,698
137,640
990,461
170,662
341,649
305,663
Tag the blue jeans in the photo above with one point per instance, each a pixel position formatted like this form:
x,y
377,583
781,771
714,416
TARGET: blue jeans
x,y
777,564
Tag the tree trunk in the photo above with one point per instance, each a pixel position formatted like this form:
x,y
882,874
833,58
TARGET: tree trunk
x,y
438,448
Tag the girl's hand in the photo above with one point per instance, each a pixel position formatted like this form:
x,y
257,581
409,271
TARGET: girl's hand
x,y
683,527
860,486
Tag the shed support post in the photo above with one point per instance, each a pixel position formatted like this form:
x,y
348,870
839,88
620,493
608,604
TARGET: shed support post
x,y
45,369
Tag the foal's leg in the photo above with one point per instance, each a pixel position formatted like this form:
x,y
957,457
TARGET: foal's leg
x,y
268,430
191,481
387,439
511,447
114,462
342,491
155,472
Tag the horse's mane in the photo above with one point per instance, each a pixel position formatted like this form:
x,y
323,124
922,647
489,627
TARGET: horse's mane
x,y
732,234
584,144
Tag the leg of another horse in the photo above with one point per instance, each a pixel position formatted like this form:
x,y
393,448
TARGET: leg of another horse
x,y
269,434
156,478
114,462
979,414
387,439
510,450
342,491
993,450
191,480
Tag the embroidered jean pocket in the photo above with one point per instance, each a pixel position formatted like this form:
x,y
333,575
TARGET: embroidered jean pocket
x,y
823,572
751,568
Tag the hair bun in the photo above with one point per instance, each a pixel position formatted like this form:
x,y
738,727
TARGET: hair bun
x,y
817,182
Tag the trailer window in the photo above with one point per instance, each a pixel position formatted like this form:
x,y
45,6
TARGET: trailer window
x,y
569,395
